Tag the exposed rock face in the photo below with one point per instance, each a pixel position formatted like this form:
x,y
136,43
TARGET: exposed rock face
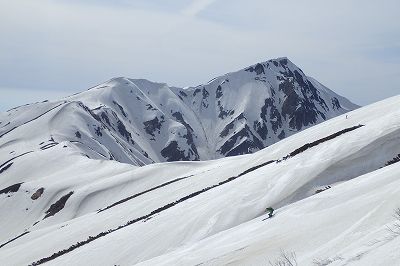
x,y
37,194
141,122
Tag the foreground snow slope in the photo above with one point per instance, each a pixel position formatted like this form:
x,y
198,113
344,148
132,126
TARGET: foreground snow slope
x,y
141,122
99,212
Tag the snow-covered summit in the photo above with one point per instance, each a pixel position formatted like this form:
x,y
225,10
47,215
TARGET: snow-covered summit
x,y
140,122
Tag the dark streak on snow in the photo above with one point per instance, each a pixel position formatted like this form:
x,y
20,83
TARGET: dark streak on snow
x,y
143,192
121,109
47,146
393,161
11,189
75,141
14,158
319,141
31,120
58,205
5,167
15,238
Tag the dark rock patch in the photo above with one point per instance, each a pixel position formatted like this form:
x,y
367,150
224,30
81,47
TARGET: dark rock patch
x,y
299,79
90,112
150,107
11,189
226,129
178,116
315,95
172,152
245,147
299,111
261,128
205,93
98,131
78,134
104,116
231,125
282,135
196,91
283,62
37,194
393,161
218,92
58,205
322,189
153,125
121,109
189,135
274,118
222,113
249,143
122,130
336,103
258,68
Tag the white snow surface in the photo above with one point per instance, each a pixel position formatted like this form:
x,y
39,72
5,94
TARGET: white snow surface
x,y
208,212
140,122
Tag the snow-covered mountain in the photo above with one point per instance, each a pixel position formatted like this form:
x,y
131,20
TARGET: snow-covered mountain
x,y
141,122
335,187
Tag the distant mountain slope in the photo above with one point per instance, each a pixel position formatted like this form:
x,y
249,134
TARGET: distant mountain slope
x,y
141,122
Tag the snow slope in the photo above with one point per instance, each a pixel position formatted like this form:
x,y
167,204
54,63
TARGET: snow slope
x,y
101,212
141,122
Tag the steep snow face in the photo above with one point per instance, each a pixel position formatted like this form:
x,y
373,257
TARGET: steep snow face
x,y
141,122
335,187
245,111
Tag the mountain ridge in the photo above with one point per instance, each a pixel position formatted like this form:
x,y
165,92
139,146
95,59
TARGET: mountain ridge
x,y
140,122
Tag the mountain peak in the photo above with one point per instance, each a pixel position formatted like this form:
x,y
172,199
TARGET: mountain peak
x,y
138,121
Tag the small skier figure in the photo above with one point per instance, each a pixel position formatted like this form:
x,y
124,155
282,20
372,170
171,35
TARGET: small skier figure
x,y
270,211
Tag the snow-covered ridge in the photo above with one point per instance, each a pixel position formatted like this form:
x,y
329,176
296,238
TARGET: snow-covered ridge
x,y
140,122
334,186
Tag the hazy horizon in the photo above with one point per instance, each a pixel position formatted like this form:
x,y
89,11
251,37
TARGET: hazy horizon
x,y
54,48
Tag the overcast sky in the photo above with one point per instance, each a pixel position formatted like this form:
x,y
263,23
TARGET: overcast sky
x,y
53,48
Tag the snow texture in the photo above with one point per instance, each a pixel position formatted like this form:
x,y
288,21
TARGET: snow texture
x,y
334,186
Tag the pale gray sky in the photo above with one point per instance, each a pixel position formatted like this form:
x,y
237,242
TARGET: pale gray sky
x,y
53,48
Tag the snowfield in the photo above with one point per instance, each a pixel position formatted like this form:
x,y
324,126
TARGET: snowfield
x,y
335,187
